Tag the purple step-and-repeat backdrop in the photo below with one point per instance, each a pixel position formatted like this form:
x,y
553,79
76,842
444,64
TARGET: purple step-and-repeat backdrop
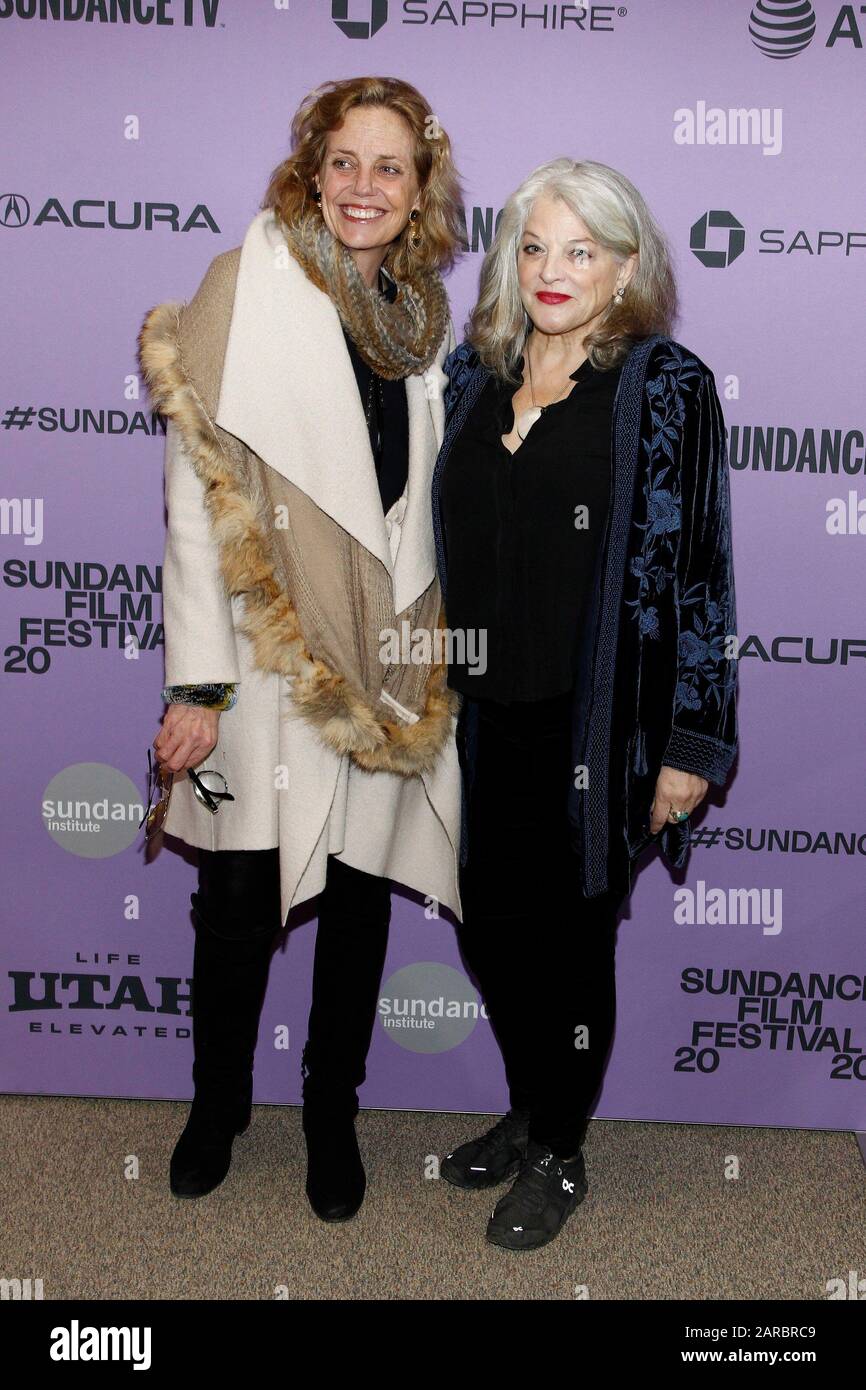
x,y
139,138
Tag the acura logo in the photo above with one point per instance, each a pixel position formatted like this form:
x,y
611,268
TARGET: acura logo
x,y
14,210
359,28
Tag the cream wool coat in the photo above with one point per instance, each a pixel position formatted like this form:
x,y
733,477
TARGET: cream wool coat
x,y
288,391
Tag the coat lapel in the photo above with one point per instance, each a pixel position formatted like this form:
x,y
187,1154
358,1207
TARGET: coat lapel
x,y
415,565
288,389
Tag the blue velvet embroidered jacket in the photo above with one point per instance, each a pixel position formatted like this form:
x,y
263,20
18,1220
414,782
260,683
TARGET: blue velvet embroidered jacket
x,y
657,673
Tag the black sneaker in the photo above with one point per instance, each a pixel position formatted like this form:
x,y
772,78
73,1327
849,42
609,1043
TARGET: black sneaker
x,y
491,1159
540,1202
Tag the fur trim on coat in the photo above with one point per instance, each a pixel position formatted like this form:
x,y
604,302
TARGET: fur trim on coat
x,y
344,716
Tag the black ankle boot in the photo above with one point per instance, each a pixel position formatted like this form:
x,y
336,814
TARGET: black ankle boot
x,y
229,981
336,1181
203,1153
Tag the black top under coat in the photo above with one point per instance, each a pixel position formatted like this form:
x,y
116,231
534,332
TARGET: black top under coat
x,y
518,566
389,417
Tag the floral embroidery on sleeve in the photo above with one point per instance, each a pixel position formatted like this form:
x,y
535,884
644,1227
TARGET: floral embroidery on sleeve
x,y
654,567
705,606
703,665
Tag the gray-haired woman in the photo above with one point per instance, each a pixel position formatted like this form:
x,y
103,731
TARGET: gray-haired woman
x,y
582,513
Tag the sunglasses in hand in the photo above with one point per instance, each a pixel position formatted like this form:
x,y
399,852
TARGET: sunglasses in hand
x,y
209,787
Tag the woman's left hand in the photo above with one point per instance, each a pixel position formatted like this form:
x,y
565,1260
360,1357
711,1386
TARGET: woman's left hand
x,y
681,790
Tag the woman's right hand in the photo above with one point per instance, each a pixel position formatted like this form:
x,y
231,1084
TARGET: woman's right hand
x,y
188,734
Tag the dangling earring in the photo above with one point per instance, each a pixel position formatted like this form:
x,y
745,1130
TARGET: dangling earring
x,y
618,296
317,197
414,241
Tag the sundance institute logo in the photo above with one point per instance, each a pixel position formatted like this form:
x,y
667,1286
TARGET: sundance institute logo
x,y
429,1007
782,28
376,12
92,810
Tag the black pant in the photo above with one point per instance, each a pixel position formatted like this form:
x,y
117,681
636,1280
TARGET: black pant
x,y
239,900
543,954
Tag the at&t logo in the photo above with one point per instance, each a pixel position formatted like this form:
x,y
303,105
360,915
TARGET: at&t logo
x,y
782,28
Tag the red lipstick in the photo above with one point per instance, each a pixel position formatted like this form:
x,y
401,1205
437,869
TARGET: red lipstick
x,y
548,297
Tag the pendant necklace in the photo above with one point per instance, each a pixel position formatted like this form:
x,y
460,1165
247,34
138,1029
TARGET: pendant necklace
x,y
375,385
527,418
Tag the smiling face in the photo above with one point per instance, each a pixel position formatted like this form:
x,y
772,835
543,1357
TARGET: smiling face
x,y
368,183
566,279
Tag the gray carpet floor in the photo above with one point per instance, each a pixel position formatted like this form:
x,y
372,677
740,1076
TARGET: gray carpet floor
x,y
87,1209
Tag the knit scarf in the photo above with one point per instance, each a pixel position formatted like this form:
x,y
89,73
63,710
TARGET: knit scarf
x,y
395,339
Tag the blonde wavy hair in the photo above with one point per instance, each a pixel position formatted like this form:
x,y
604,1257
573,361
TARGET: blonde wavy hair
x,y
617,217
291,187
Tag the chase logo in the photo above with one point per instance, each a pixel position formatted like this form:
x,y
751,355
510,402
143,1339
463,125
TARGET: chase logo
x,y
735,244
782,28
376,10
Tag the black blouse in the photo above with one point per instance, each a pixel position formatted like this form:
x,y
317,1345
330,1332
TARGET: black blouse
x,y
385,403
520,557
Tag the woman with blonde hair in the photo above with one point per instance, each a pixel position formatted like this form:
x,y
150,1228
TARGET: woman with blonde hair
x,y
582,515
302,389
